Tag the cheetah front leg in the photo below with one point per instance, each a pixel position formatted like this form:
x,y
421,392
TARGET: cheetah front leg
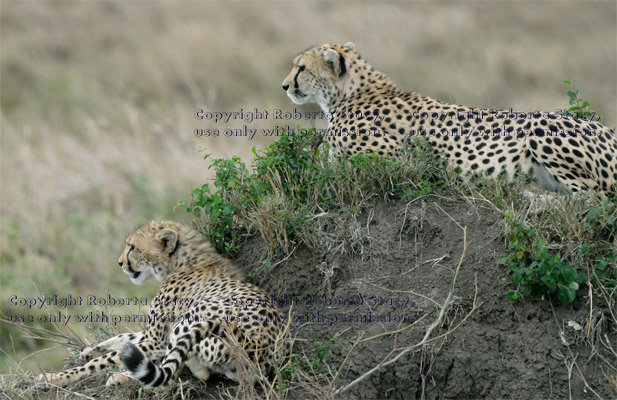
x,y
115,343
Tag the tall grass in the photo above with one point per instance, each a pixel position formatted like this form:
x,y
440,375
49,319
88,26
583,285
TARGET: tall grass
x,y
97,101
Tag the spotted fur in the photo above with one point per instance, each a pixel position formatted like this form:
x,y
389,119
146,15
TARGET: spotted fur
x,y
563,153
201,311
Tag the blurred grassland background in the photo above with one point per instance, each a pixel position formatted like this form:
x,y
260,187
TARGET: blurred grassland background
x,y
97,102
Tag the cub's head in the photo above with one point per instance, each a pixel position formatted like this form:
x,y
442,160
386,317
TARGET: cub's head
x,y
149,249
319,74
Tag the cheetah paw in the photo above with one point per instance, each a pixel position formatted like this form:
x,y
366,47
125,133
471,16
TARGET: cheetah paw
x,y
86,353
119,379
48,380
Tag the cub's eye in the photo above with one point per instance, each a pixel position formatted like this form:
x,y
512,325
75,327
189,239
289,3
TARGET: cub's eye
x,y
301,68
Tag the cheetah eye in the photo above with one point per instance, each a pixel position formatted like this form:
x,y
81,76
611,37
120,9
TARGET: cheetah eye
x,y
301,68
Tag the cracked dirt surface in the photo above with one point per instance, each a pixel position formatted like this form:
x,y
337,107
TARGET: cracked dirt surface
x,y
382,268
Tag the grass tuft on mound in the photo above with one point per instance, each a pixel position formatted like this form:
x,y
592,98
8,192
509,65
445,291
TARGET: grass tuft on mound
x,y
294,194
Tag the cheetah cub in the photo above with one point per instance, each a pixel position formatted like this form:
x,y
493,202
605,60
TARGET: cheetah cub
x,y
201,313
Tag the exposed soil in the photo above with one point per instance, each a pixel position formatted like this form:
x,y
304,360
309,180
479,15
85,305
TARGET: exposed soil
x,y
388,263
503,350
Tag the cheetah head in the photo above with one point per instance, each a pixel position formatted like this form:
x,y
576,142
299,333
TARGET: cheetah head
x,y
148,252
319,74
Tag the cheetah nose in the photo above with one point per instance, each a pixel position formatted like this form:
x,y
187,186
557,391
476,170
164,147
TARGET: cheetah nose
x,y
120,263
285,87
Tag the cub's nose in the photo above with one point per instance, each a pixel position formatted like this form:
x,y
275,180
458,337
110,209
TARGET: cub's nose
x,y
285,87
120,262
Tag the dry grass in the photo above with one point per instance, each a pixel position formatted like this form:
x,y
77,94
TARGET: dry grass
x,y
97,102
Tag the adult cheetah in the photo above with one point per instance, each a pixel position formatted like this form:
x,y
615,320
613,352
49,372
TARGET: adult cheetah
x,y
368,112
201,311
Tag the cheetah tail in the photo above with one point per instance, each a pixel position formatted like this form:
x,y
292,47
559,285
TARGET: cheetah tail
x,y
142,369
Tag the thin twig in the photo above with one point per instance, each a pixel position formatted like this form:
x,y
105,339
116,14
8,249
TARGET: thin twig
x,y
75,342
409,348
590,307
425,340
362,341
400,232
406,292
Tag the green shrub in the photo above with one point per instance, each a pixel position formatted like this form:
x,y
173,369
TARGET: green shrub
x,y
534,269
580,108
293,180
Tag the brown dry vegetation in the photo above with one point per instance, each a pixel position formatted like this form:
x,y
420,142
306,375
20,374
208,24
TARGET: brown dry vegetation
x,y
97,102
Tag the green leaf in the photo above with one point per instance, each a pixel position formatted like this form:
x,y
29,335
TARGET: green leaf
x,y
566,295
548,280
583,251
600,266
569,274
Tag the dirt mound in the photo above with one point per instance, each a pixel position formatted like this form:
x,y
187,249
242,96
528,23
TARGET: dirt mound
x,y
393,266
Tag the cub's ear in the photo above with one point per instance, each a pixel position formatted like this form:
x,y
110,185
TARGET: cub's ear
x,y
169,240
350,46
336,60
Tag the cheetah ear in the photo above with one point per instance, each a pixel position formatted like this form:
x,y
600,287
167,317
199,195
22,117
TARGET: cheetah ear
x,y
350,46
169,240
336,60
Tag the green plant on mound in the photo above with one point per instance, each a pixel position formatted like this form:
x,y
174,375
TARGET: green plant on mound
x,y
580,108
292,182
573,231
313,365
536,269
214,211
603,219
